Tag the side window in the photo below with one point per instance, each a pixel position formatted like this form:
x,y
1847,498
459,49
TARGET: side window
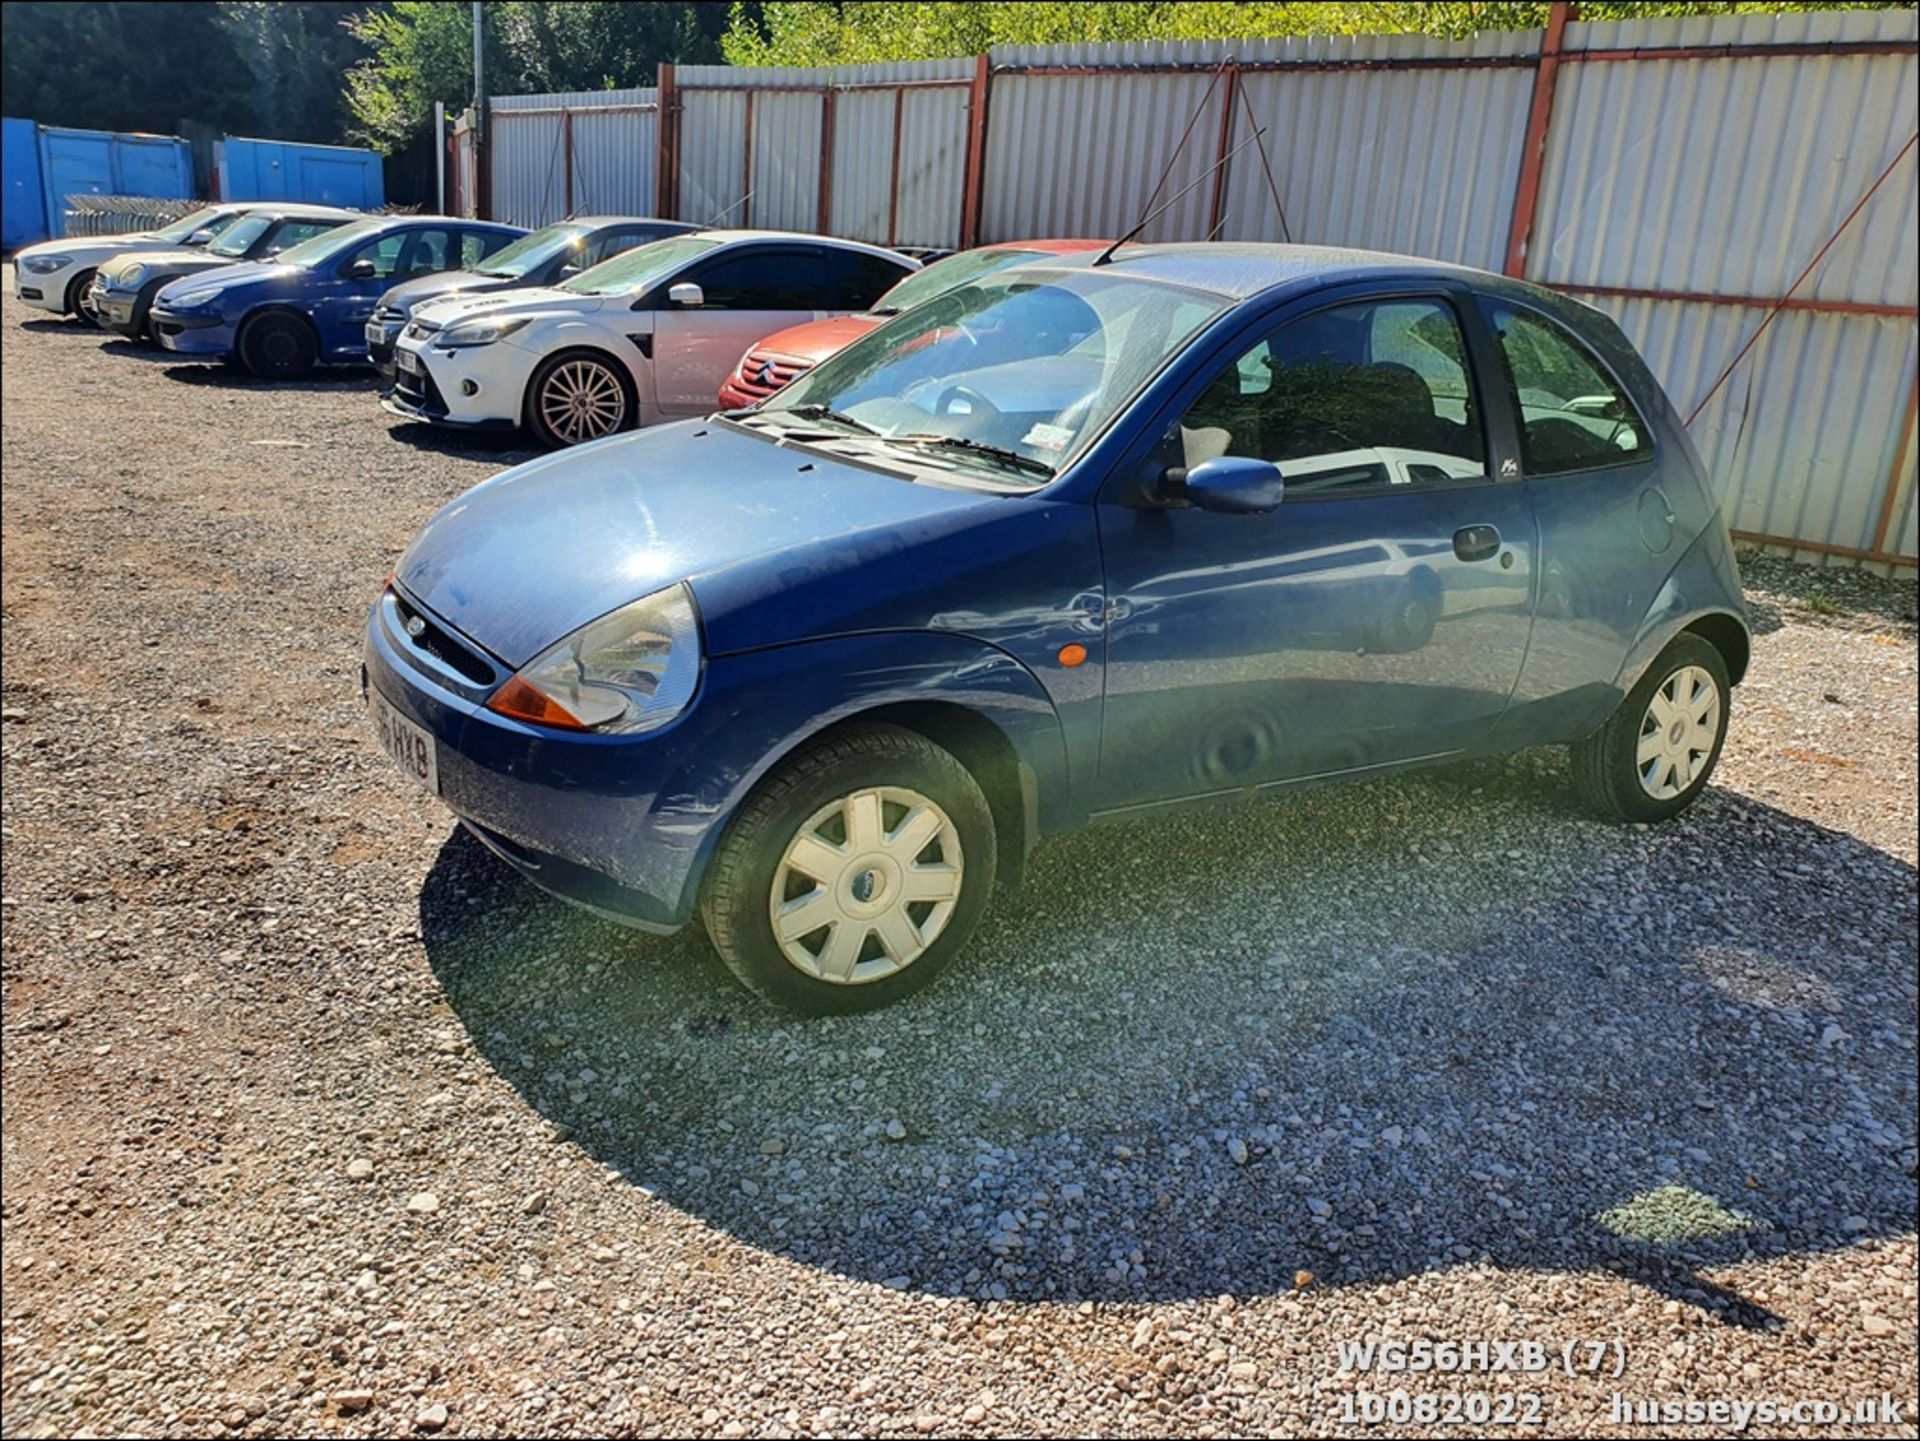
x,y
477,245
292,232
1359,397
855,281
612,243
764,280
384,253
1572,416
429,251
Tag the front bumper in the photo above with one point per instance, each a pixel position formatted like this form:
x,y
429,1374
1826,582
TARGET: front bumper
x,y
117,310
478,388
43,292
205,337
381,333
579,816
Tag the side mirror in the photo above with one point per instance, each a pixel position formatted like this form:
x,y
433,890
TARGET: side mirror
x,y
567,271
687,295
201,236
360,270
1231,485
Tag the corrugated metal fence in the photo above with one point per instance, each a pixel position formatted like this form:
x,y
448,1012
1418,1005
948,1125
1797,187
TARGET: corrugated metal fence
x,y
1680,174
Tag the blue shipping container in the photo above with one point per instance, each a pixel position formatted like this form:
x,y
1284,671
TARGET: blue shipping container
x,y
23,208
104,162
310,174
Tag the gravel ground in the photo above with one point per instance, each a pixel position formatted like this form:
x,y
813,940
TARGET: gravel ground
x,y
318,1120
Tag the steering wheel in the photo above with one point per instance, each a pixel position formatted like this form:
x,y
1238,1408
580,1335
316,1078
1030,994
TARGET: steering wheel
x,y
965,400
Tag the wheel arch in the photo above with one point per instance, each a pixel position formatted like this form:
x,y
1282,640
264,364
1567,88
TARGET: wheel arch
x,y
1727,634
594,349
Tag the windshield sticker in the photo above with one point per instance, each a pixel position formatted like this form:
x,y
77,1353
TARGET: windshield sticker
x,y
1048,437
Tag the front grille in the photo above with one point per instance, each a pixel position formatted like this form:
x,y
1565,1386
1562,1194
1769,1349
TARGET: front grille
x,y
419,391
169,327
762,373
387,314
435,640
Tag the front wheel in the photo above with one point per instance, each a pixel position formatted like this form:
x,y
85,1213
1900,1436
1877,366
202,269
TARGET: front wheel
x,y
576,397
1652,759
854,875
77,299
276,346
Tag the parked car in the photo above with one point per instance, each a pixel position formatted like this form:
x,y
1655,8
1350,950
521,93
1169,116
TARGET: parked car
x,y
310,304
779,359
822,672
644,337
56,275
124,287
544,257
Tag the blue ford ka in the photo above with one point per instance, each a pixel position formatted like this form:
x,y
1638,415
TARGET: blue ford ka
x,y
1083,538
310,303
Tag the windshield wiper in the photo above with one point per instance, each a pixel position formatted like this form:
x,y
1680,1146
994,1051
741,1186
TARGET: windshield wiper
x,y
1010,458
822,412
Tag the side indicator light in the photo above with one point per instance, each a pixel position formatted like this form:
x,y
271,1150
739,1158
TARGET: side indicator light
x,y
1072,655
522,702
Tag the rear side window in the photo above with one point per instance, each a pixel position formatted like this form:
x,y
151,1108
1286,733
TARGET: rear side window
x,y
613,242
292,232
1572,414
1354,398
477,245
855,281
764,280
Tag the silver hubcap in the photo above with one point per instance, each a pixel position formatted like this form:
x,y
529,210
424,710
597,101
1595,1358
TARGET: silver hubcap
x,y
866,885
1677,733
582,401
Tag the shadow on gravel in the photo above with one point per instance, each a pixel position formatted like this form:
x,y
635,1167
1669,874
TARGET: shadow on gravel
x,y
328,380
504,445
1364,1032
66,325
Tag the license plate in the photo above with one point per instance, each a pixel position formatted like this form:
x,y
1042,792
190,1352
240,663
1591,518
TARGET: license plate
x,y
408,362
119,314
376,333
411,746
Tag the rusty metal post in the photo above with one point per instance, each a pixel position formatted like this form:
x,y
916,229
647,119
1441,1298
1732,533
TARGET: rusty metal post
x,y
893,183
823,212
1881,536
566,144
746,170
666,146
1217,216
975,183
1533,153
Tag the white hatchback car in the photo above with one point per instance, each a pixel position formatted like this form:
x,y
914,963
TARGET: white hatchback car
x,y
649,335
55,275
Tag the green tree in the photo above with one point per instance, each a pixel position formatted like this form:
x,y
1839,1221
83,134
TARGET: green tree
x,y
294,57
419,51
822,32
121,66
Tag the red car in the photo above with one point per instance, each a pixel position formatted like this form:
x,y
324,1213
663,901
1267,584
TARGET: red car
x,y
786,355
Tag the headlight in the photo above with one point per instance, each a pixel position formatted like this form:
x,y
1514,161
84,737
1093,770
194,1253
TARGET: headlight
x,y
629,671
46,264
133,275
192,300
478,332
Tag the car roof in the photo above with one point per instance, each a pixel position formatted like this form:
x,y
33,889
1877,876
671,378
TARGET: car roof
x,y
1046,247
304,212
599,221
730,237
1238,270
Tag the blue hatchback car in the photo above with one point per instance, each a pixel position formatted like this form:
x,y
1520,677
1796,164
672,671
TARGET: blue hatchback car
x,y
1083,538
310,303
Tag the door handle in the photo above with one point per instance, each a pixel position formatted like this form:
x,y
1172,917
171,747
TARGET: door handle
x,y
1476,542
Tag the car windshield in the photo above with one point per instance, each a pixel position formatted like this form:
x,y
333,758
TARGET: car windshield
x,y
318,249
945,274
636,270
1014,372
530,252
207,217
238,237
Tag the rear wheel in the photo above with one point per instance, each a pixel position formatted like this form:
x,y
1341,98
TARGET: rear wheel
x,y
277,346
1653,759
854,875
77,298
576,397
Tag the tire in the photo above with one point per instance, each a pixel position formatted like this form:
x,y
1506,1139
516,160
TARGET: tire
x,y
143,311
1608,770
278,346
578,396
77,289
806,810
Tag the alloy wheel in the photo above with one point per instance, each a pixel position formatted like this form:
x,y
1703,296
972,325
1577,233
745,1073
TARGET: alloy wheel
x,y
866,885
1678,732
582,400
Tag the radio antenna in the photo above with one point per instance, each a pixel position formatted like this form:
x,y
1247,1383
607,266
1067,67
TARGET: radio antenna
x,y
709,224
1107,255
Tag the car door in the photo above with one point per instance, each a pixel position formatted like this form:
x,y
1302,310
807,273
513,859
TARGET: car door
x,y
397,256
1379,614
749,292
